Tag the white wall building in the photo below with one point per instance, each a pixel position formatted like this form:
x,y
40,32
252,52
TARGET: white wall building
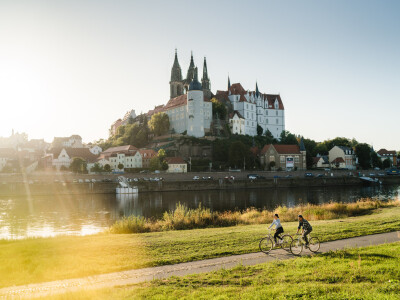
x,y
265,110
342,157
131,160
64,156
96,150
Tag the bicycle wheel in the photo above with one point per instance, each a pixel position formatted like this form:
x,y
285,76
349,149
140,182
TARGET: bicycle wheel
x,y
296,246
286,241
266,245
314,244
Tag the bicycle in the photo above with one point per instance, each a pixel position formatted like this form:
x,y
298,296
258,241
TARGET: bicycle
x,y
267,243
296,246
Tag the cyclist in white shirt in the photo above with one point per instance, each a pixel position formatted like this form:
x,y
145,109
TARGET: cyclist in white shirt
x,y
278,227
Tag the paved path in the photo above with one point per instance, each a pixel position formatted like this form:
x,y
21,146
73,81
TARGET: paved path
x,y
140,275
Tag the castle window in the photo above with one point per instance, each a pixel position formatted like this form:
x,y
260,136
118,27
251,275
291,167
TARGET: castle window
x,y
276,112
277,121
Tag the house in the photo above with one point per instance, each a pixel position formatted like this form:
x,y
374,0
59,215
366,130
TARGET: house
x,y
338,163
147,155
62,157
321,162
6,155
256,108
96,150
74,141
348,156
391,154
284,157
236,123
176,165
130,160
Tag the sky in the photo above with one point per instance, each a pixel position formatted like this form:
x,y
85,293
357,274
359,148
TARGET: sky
x,y
75,66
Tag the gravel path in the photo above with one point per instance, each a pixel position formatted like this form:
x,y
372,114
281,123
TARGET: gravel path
x,y
140,275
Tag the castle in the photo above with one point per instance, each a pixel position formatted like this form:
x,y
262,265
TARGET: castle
x,y
189,108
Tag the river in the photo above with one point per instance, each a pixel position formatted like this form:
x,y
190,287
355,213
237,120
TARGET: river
x,y
22,217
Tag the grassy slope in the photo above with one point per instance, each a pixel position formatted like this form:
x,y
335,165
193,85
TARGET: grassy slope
x,y
37,260
365,273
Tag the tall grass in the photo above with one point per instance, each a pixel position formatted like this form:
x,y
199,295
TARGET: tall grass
x,y
186,218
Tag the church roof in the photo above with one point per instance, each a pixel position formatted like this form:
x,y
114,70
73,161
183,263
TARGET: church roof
x,y
282,149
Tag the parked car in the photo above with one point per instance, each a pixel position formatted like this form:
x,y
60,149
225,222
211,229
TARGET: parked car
x,y
327,169
93,180
308,174
107,180
392,171
87,180
371,174
320,175
80,180
196,177
288,176
230,177
381,174
156,172
252,176
144,171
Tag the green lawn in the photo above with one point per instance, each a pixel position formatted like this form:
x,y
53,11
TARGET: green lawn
x,y
364,273
46,259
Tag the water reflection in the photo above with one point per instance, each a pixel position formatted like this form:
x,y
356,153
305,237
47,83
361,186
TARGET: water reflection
x,y
88,214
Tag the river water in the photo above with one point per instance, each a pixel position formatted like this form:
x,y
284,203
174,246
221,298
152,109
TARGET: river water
x,y
44,216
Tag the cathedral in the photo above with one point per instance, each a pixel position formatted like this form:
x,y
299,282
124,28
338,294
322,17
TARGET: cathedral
x,y
189,108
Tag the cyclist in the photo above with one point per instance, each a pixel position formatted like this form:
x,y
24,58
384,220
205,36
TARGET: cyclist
x,y
278,228
307,228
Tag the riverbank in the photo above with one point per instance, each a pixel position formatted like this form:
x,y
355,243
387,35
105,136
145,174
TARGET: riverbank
x,y
182,217
61,187
47,259
358,273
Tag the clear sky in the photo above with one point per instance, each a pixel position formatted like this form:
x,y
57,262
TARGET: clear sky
x,y
73,67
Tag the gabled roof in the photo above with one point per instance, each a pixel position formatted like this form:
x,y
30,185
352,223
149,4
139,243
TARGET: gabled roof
x,y
338,160
386,152
75,152
283,149
235,112
176,102
175,160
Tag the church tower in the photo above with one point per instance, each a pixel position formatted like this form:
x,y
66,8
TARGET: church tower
x,y
190,72
195,108
205,81
176,84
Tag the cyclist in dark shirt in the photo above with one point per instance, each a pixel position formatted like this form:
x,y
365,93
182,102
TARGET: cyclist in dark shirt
x,y
307,228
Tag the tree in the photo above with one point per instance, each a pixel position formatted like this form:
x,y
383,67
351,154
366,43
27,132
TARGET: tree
x,y
269,138
288,138
259,130
120,166
238,152
78,165
376,161
97,168
363,152
310,148
159,123
161,155
107,168
218,109
154,163
387,163
164,165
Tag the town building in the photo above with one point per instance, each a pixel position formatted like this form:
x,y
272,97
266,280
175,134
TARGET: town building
x,y
131,160
63,156
96,150
255,109
147,155
176,165
388,154
346,154
128,117
284,157
321,162
74,141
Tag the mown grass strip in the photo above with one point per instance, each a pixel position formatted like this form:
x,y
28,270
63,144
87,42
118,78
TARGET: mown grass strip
x,y
47,259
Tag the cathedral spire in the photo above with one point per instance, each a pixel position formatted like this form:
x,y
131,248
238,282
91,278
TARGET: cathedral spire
x,y
190,72
176,72
205,81
229,83
205,73
257,92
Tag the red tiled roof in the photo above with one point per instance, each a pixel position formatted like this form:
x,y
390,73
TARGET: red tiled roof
x,y
255,150
157,109
175,160
125,148
316,160
176,102
338,160
283,149
149,153
386,152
